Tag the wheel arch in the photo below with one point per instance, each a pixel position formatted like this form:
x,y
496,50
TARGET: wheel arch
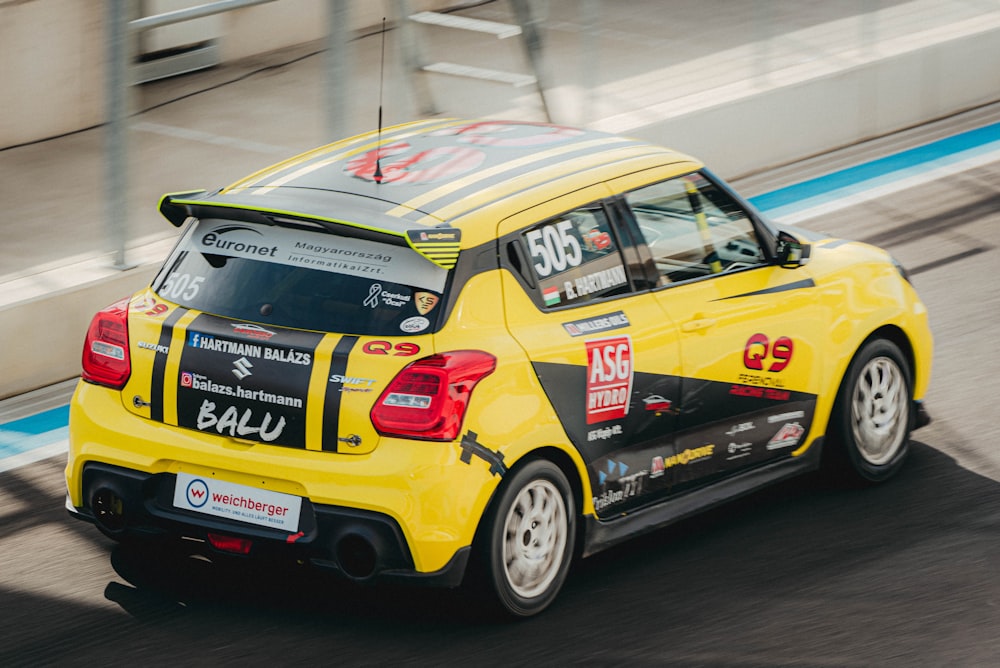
x,y
895,334
574,471
836,460
890,332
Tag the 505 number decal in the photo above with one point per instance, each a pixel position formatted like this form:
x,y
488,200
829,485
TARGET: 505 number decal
x,y
181,286
554,248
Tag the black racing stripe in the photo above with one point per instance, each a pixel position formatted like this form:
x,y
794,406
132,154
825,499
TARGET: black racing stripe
x,y
331,402
502,176
157,388
544,183
797,285
309,159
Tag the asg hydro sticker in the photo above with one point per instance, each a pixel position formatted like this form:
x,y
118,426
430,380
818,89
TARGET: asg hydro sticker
x,y
609,378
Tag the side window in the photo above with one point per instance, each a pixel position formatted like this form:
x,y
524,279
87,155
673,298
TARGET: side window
x,y
693,229
575,258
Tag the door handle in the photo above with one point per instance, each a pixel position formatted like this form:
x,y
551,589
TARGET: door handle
x,y
697,325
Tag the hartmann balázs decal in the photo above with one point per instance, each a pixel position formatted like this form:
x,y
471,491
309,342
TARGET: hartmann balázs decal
x,y
244,381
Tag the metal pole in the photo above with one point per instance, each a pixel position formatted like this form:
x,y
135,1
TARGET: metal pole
x,y
117,128
868,106
868,21
532,41
590,59
763,28
413,59
337,68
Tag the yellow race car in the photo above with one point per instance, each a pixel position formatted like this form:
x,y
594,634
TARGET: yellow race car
x,y
489,347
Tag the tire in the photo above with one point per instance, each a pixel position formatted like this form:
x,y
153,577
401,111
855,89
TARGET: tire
x,y
528,543
873,414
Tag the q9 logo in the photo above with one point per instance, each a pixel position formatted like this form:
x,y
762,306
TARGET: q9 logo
x,y
759,351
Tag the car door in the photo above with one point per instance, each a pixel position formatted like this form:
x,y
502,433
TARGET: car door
x,y
606,357
749,330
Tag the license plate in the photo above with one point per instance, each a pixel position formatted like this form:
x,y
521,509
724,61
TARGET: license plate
x,y
237,502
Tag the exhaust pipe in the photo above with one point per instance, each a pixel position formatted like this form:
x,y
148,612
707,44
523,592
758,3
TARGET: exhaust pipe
x,y
109,511
356,556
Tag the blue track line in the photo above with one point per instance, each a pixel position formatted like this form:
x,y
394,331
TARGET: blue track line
x,y
896,167
33,431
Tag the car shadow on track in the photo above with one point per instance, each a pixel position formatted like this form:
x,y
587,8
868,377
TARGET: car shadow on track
x,y
773,542
799,574
168,580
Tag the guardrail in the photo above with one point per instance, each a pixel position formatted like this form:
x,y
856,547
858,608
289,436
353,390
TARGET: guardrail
x,y
189,14
120,54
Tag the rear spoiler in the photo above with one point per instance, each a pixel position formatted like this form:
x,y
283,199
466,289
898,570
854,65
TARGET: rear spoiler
x,y
439,245
178,212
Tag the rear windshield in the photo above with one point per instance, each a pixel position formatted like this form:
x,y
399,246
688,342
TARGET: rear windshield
x,y
304,279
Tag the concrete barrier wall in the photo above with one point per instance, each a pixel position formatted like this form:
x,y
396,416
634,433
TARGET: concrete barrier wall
x,y
53,54
44,316
820,106
51,68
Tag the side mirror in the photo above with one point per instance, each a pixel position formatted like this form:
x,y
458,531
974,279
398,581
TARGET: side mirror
x,y
791,252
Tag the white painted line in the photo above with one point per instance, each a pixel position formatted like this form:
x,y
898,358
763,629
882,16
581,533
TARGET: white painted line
x,y
210,138
501,30
454,69
36,455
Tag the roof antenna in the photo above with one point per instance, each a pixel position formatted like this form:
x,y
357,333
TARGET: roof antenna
x,y
378,143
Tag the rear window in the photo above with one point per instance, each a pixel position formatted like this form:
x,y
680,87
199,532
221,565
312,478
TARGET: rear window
x,y
304,279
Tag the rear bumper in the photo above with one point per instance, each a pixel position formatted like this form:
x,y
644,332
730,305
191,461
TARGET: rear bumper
x,y
429,499
361,545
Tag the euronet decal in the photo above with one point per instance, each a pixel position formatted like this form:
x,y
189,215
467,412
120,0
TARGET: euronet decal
x,y
220,240
320,251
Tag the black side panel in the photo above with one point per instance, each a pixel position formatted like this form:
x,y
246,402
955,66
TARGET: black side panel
x,y
669,442
603,533
619,453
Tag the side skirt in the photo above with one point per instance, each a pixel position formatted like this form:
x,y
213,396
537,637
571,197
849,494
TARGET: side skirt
x,y
602,534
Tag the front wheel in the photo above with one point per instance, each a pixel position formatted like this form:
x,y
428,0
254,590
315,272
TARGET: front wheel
x,y
529,540
873,414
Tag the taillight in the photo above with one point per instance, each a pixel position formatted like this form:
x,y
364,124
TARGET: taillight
x,y
230,543
428,398
105,351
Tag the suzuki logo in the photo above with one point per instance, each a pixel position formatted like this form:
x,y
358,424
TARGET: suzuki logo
x,y
242,368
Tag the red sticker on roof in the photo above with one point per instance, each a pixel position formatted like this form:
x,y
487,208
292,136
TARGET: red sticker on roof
x,y
398,163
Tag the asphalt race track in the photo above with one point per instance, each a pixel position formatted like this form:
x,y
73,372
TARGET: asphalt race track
x,y
803,574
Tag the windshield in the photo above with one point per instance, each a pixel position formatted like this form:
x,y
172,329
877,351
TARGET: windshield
x,y
303,279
